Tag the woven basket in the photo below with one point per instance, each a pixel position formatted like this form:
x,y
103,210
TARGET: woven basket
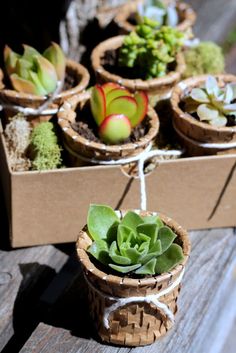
x,y
134,324
186,14
77,144
191,131
74,71
157,86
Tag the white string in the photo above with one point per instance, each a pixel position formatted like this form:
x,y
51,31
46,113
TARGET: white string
x,y
141,158
223,146
151,298
41,110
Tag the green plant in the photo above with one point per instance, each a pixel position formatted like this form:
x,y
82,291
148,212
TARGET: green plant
x,y
17,134
212,103
158,11
206,58
45,151
116,111
35,73
150,49
140,245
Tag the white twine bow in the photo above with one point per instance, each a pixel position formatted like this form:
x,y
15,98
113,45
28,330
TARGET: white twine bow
x,y
150,299
141,158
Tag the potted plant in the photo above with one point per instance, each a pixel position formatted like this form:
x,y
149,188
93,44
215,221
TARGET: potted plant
x,y
171,13
204,114
133,263
107,123
37,81
147,59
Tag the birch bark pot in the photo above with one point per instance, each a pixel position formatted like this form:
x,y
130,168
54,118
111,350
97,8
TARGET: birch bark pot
x,y
194,133
136,323
159,87
77,145
125,18
77,79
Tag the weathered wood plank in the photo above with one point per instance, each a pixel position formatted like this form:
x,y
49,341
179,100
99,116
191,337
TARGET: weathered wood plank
x,y
203,307
24,275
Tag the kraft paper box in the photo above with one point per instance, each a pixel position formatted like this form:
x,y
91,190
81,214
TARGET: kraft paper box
x,y
51,206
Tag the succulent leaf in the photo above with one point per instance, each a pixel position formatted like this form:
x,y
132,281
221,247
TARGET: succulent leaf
x,y
115,128
100,220
134,244
206,112
46,73
22,85
55,55
199,95
39,89
10,59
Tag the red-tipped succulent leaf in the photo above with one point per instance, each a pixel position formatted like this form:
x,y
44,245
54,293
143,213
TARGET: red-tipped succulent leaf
x,y
98,104
115,128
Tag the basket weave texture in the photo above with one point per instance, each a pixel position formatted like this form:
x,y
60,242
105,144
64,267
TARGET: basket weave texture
x,y
76,71
101,151
134,324
186,14
155,86
189,127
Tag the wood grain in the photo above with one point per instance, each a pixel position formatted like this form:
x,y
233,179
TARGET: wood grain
x,y
208,294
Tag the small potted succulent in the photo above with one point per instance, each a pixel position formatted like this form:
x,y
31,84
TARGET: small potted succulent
x,y
147,59
167,13
205,114
107,123
32,78
133,263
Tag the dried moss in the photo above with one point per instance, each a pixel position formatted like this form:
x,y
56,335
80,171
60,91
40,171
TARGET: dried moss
x,y
206,58
17,135
45,151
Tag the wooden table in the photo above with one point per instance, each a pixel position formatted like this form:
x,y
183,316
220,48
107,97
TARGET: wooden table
x,y
42,298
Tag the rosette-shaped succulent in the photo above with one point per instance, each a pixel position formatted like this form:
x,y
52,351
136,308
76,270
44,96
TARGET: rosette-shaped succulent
x,y
150,49
35,73
141,245
213,105
158,11
116,111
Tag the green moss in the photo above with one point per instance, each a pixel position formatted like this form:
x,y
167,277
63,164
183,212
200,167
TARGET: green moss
x,y
206,58
46,153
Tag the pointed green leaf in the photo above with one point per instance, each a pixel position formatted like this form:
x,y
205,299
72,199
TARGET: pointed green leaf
x,y
100,219
169,259
99,250
154,252
153,219
166,236
112,233
211,85
147,269
116,257
133,254
131,220
124,269
149,229
124,234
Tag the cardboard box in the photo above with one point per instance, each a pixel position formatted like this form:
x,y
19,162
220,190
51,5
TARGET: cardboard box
x,y
51,206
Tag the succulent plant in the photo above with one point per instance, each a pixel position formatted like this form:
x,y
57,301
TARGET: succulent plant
x,y
35,73
116,111
150,49
205,58
44,149
134,244
158,11
212,103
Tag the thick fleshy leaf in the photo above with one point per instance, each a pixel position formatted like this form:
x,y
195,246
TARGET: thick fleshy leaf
x,y
144,247
148,268
149,229
124,269
124,234
220,120
116,257
46,73
39,87
30,53
112,233
229,94
98,104
153,219
10,59
99,250
115,129
21,85
211,85
56,56
230,107
115,93
100,219
166,236
169,259
199,95
124,105
155,251
133,254
131,220
22,68
207,112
